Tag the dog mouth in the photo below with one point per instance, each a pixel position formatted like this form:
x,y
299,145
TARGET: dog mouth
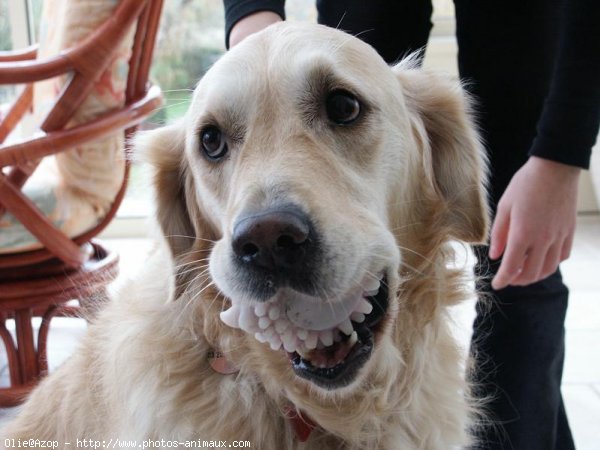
x,y
327,343
336,365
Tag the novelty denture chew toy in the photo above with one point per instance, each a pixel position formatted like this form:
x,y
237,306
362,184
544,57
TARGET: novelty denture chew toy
x,y
302,323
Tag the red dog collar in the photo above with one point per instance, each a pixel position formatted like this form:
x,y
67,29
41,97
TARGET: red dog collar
x,y
302,424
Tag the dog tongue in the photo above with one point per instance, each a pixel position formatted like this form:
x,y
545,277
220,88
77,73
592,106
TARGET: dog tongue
x,y
331,356
311,313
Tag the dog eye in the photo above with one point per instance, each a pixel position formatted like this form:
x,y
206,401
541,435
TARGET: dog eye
x,y
213,143
343,108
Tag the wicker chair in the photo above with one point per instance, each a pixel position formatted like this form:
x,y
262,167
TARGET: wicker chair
x,y
42,281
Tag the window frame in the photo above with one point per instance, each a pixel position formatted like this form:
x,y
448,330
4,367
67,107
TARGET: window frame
x,y
20,12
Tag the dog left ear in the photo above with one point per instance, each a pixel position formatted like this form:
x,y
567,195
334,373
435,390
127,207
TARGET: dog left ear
x,y
177,209
163,148
453,157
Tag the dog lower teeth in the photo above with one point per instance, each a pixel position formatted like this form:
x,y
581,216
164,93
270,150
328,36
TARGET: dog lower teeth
x,y
305,355
323,357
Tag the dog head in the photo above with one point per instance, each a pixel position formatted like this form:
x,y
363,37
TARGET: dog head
x,y
304,176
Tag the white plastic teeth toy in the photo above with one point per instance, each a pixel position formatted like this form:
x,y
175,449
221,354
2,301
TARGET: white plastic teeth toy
x,y
300,322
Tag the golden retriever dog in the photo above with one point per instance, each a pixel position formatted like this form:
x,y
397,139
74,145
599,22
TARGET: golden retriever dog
x,y
308,201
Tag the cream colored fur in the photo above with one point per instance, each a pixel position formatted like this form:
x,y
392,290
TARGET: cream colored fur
x,y
411,173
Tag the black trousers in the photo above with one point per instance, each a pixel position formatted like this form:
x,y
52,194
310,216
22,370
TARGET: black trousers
x,y
506,56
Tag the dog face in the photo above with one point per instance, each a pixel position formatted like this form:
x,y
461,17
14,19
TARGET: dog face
x,y
309,168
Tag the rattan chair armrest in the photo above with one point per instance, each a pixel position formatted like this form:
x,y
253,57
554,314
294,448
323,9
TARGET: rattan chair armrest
x,y
58,141
87,57
20,54
34,70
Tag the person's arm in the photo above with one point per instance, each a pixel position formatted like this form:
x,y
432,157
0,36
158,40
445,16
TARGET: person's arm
x,y
535,219
244,17
568,126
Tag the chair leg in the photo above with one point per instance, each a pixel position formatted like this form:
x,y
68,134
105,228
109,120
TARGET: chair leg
x,y
51,312
21,364
15,395
25,345
43,339
11,353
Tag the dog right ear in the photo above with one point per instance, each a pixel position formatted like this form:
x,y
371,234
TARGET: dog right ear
x,y
163,149
453,158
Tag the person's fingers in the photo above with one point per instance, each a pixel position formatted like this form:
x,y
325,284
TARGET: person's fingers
x,y
551,261
566,247
512,262
499,233
532,268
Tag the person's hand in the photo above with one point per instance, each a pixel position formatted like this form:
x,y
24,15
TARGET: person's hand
x,y
535,222
251,24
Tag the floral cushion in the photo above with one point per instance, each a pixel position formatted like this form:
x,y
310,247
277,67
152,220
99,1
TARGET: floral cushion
x,y
75,188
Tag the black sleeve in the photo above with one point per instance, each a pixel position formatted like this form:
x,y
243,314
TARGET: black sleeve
x,y
238,9
568,126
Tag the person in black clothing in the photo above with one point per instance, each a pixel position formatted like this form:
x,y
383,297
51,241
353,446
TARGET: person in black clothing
x,y
534,69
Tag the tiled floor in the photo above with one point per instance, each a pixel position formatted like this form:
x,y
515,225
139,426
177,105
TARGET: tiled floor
x,y
581,383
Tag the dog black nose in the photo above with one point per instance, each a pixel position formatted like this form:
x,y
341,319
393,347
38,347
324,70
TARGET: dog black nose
x,y
276,240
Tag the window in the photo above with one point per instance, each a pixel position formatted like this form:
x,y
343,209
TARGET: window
x,y
6,93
